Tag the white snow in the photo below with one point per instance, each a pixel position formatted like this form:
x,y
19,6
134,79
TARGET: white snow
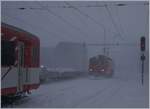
x,y
61,70
86,92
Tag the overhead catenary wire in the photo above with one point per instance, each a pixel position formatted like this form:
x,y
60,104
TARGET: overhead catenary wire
x,y
113,21
86,15
56,35
119,22
82,6
97,5
78,15
33,26
63,19
91,18
88,44
103,6
49,20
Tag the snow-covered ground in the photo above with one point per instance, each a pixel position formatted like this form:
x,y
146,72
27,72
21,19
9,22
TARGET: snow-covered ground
x,y
90,92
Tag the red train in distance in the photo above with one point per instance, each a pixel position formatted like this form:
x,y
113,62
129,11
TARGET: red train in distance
x,y
20,60
101,65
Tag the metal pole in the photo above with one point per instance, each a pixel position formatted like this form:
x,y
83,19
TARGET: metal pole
x,y
104,40
142,79
142,73
142,42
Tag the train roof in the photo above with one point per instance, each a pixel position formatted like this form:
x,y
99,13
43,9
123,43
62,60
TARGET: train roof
x,y
19,30
100,57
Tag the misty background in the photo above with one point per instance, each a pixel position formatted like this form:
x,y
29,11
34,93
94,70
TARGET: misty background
x,y
55,22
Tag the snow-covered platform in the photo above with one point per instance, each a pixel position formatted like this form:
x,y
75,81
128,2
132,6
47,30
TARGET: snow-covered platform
x,y
87,92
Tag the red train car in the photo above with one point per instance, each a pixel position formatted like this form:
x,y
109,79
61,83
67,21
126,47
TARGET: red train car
x,y
20,52
101,65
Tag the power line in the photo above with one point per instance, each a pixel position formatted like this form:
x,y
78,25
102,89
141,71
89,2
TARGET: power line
x,y
63,20
53,33
121,27
91,18
85,14
54,24
113,21
79,16
83,6
29,24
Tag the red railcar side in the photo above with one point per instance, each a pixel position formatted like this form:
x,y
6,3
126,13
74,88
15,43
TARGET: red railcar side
x,y
29,69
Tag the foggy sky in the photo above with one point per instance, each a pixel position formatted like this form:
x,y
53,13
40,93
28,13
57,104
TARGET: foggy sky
x,y
131,20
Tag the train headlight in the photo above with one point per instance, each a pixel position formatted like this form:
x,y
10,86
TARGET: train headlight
x,y
102,70
42,66
91,70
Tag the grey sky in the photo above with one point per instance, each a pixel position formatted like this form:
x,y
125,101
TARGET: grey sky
x,y
132,21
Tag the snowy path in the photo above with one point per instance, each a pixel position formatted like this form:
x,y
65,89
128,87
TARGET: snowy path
x,y
87,92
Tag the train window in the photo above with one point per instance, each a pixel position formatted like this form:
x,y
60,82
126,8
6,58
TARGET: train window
x,y
35,55
93,60
7,53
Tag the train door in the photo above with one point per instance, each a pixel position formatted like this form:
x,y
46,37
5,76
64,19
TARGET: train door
x,y
20,66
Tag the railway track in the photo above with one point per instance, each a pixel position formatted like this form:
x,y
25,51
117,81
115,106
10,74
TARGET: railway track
x,y
11,101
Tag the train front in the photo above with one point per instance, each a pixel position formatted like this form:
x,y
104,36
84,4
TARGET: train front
x,y
101,66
